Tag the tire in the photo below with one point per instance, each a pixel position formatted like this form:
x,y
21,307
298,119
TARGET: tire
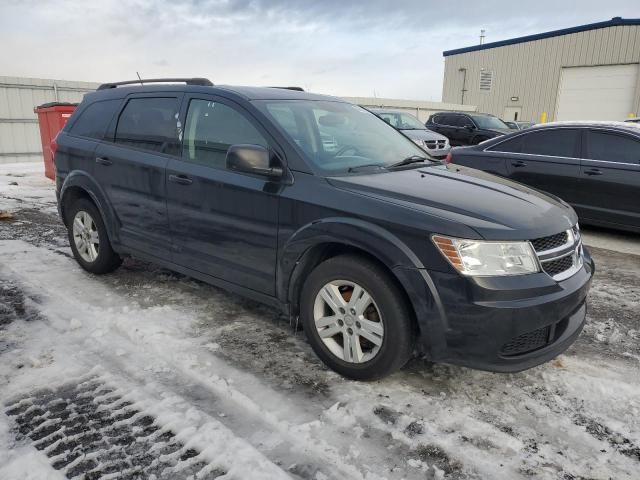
x,y
88,238
380,337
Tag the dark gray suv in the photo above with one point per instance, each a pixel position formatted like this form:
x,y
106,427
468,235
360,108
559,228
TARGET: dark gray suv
x,y
320,208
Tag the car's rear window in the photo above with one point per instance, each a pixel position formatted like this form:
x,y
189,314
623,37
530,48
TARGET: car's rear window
x,y
94,120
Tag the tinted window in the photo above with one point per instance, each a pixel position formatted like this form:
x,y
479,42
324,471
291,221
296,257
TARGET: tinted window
x,y
612,147
210,130
555,143
489,122
446,119
510,146
150,124
95,119
463,121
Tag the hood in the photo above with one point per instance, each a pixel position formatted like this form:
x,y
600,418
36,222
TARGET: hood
x,y
496,208
501,131
423,135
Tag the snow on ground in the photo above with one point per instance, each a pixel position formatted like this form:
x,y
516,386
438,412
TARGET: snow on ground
x,y
145,373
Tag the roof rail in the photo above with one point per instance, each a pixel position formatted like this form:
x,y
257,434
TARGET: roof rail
x,y
204,82
297,89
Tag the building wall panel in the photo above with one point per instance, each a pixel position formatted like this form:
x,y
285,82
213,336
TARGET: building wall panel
x,y
531,70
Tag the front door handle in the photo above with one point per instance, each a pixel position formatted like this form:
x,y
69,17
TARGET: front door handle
x,y
519,164
593,171
103,161
181,179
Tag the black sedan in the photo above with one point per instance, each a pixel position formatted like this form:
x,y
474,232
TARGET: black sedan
x,y
593,166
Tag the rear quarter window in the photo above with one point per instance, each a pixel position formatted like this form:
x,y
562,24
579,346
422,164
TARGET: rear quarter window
x,y
510,146
94,119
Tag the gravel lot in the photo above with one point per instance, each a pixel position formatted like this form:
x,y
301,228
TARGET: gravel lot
x,y
145,373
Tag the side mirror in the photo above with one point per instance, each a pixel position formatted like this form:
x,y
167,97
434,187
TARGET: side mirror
x,y
254,159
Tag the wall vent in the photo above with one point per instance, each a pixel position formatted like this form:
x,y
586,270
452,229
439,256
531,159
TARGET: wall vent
x,y
486,80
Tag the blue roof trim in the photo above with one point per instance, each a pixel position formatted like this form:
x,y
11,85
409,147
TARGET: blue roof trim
x,y
614,22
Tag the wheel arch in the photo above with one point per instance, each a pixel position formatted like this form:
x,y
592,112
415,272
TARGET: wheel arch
x,y
80,185
319,241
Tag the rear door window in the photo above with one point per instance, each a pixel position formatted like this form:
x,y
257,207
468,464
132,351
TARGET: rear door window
x,y
149,124
211,128
447,120
612,147
552,143
94,120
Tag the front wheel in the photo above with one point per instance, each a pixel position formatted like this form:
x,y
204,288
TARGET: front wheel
x,y
356,318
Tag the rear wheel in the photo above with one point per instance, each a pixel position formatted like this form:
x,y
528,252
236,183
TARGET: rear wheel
x,y
356,318
88,238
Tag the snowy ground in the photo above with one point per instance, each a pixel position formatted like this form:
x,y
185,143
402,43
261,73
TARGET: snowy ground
x,y
145,373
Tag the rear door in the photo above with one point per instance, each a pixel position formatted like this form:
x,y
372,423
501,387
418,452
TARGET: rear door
x,y
132,166
549,160
223,223
610,177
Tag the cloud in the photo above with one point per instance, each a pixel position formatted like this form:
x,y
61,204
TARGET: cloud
x,y
331,46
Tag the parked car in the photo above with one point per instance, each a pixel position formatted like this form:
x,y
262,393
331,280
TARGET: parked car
x,y
593,166
435,144
467,128
633,120
514,125
377,249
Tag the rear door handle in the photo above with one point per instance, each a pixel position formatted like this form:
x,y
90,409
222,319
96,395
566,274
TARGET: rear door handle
x,y
103,161
593,171
519,164
181,179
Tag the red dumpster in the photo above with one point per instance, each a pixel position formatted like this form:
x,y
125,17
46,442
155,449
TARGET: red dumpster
x,y
51,118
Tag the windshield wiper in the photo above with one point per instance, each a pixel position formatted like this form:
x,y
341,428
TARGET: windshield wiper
x,y
358,167
408,161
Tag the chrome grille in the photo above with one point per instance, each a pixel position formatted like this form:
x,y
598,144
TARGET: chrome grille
x,y
435,144
554,267
561,254
550,242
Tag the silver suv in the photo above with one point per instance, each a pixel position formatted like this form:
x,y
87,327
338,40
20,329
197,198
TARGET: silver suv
x,y
435,144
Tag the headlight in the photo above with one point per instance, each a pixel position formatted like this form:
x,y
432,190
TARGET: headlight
x,y
418,142
480,258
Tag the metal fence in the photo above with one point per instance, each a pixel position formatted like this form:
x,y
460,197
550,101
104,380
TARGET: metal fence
x,y
19,133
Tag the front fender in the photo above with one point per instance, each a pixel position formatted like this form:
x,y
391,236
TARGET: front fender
x,y
88,184
373,239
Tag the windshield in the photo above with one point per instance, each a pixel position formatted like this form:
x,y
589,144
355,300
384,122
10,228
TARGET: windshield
x,y
402,121
340,137
489,122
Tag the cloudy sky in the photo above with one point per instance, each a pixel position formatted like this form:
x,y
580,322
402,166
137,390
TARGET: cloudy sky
x,y
352,48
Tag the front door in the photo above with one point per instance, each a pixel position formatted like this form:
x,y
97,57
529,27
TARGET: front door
x,y
131,165
549,160
223,223
611,178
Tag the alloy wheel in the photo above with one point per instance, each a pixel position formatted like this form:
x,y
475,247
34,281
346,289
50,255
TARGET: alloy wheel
x,y
348,321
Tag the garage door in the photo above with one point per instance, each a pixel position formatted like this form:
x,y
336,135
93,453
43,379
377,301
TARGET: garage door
x,y
596,93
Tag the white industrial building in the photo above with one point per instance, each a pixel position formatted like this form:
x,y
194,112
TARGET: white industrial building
x,y
588,72
19,133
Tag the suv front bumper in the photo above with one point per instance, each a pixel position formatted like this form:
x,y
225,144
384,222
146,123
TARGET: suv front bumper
x,y
504,324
